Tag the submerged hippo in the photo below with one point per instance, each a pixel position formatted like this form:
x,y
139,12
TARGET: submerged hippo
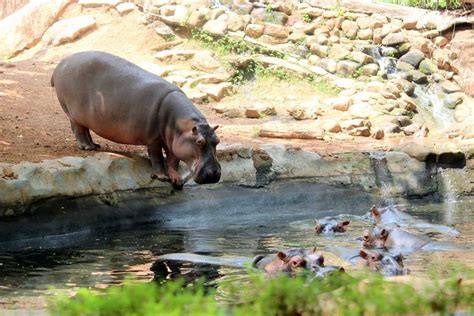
x,y
393,238
329,225
279,263
392,215
126,104
384,263
312,261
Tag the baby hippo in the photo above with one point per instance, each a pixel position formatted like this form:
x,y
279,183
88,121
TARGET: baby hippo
x,y
386,264
279,263
328,225
392,238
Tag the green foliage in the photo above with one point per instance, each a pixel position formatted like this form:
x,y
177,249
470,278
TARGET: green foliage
x,y
269,9
141,299
340,11
337,294
428,4
169,37
306,18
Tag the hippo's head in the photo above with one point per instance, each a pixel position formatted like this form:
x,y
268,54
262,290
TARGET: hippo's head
x,y
290,263
196,146
375,238
387,264
330,225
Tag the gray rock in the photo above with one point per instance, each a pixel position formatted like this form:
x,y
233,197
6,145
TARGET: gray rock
x,y
413,57
451,101
450,87
347,67
393,39
361,58
418,77
369,69
319,50
216,27
403,66
428,67
350,28
389,52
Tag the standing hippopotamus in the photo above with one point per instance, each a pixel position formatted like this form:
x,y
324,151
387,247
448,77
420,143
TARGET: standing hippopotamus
x,y
279,263
329,225
126,104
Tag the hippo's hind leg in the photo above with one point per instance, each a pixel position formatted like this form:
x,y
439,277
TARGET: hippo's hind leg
x,y
155,152
83,137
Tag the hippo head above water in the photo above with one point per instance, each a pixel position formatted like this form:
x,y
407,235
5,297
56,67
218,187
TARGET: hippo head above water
x,y
387,264
329,225
375,238
196,146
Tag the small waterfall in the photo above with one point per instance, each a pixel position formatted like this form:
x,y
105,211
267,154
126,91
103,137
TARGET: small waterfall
x,y
383,178
216,4
427,98
426,95
449,195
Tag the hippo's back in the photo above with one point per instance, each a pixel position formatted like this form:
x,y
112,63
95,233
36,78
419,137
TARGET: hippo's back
x,y
113,97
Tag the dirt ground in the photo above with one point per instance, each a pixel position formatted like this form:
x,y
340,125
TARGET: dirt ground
x,y
33,126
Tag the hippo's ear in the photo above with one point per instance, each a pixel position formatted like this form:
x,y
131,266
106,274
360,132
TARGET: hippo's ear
x,y
314,249
363,254
216,127
375,211
318,228
321,260
384,233
282,256
399,258
342,269
195,130
345,223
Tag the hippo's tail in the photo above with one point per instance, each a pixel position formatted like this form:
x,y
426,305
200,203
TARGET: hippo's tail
x,y
52,81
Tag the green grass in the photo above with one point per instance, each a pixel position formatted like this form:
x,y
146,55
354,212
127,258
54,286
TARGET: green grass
x,y
339,294
427,4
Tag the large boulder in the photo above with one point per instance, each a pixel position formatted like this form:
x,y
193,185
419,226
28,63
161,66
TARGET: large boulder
x,y
463,45
68,30
216,27
24,28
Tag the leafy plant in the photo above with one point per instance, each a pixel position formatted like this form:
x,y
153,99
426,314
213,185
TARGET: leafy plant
x,y
306,18
337,294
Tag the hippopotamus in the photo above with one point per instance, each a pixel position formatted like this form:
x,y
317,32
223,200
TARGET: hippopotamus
x,y
377,261
127,104
279,263
392,215
387,264
312,261
329,225
393,238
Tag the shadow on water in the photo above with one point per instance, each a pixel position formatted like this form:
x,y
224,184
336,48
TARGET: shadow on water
x,y
96,248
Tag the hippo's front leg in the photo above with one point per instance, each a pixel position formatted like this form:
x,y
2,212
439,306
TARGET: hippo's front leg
x,y
155,152
173,163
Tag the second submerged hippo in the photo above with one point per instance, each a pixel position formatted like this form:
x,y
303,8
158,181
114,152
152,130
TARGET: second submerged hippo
x,y
393,238
387,264
328,225
312,261
392,215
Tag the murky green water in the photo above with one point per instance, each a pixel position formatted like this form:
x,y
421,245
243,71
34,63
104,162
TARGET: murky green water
x,y
230,221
